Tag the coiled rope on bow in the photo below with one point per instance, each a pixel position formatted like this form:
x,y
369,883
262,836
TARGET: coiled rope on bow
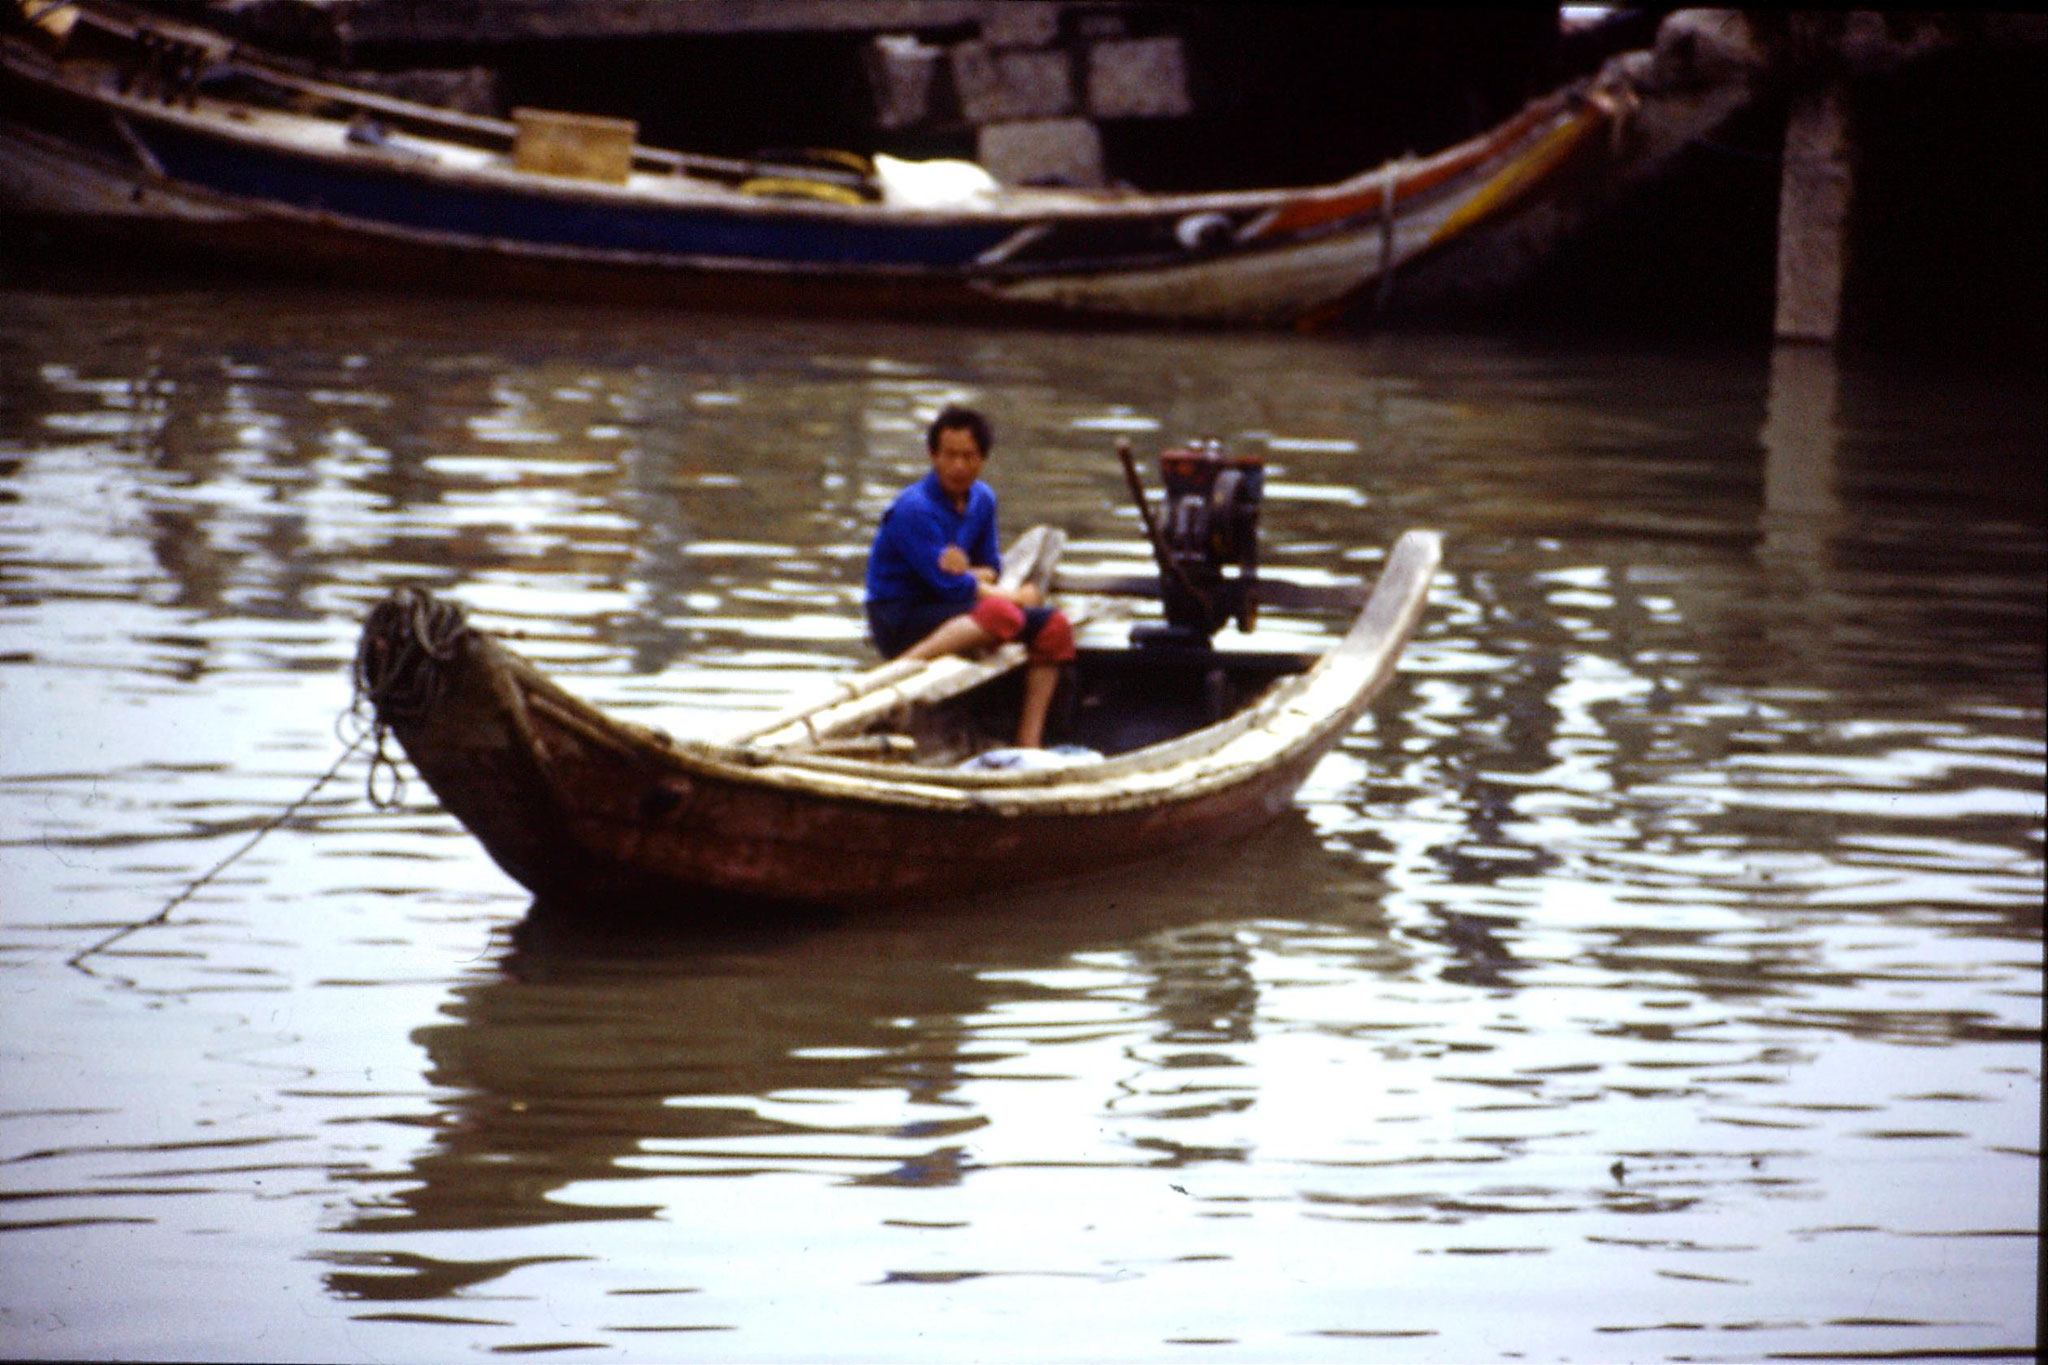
x,y
398,677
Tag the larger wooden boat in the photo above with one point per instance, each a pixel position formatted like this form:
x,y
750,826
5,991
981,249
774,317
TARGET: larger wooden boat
x,y
117,124
862,798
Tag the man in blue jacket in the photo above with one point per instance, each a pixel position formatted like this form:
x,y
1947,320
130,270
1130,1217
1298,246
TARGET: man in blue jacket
x,y
931,587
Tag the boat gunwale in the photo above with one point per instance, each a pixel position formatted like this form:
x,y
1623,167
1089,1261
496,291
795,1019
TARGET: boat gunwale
x,y
1168,773
1416,180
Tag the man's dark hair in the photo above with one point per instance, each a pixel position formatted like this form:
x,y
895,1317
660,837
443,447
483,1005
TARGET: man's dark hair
x,y
954,417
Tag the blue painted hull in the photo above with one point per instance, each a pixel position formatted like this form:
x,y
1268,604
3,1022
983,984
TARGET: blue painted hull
x,y
108,149
391,198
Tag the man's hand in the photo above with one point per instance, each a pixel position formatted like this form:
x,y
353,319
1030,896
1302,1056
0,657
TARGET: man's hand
x,y
952,559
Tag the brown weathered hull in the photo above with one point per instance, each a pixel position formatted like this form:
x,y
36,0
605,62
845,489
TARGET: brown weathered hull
x,y
576,805
585,810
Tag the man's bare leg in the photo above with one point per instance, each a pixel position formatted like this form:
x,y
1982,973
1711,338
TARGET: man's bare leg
x,y
958,636
1040,680
962,635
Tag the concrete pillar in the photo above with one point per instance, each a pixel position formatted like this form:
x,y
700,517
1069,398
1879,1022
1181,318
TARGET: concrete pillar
x,y
1814,189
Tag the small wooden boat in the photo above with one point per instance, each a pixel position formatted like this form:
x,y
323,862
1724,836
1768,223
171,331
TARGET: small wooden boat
x,y
861,798
117,124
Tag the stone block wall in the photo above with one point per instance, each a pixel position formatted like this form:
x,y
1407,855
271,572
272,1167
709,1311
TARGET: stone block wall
x,y
1031,87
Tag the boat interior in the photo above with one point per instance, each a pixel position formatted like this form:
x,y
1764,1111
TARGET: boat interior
x,y
1110,701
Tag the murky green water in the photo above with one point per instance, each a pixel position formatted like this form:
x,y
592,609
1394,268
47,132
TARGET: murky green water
x,y
1657,975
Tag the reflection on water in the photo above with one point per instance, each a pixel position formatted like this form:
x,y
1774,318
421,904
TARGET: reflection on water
x,y
1800,440
1672,928
632,1039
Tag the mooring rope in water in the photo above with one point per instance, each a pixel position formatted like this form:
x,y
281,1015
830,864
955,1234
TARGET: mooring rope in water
x,y
397,677
280,818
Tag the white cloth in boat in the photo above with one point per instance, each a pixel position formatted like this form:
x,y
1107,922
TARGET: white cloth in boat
x,y
1028,760
942,184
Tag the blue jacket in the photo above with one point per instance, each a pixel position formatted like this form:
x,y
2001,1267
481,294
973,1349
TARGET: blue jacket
x,y
903,566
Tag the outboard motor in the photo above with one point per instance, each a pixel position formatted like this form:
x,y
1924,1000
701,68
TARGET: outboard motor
x,y
1208,527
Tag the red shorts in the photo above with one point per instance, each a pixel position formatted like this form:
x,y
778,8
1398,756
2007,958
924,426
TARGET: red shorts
x,y
1044,630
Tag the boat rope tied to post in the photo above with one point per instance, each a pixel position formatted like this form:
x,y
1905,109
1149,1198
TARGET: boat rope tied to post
x,y
398,673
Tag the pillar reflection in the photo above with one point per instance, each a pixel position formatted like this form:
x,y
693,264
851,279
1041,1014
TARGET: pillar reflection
x,y
1802,511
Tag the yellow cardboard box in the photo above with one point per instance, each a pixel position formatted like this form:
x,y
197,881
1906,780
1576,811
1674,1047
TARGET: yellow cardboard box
x,y
581,146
